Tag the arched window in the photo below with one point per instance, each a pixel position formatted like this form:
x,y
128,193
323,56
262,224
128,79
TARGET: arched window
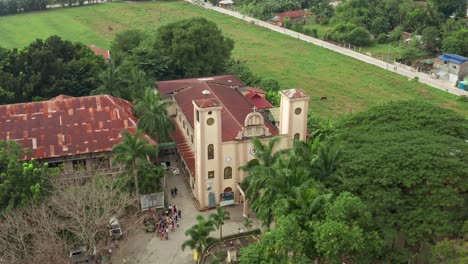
x,y
227,173
210,151
297,136
228,189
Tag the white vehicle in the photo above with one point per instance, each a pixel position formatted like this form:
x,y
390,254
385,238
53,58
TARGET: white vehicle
x,y
78,255
115,230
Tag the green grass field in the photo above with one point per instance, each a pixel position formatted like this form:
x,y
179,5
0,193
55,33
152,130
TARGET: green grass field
x,y
349,84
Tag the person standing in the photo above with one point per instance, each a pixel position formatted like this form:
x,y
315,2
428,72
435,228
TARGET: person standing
x,y
179,212
172,193
175,191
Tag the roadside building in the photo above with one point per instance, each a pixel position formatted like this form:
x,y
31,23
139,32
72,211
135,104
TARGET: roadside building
x,y
76,134
296,16
215,124
451,67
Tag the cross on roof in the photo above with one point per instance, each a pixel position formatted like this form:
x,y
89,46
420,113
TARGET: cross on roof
x,y
254,108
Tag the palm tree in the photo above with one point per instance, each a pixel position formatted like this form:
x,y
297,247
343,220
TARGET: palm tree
x,y
248,222
131,150
138,82
199,235
326,162
153,116
111,82
218,218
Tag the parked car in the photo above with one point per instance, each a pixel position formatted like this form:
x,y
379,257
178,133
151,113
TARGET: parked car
x,y
78,255
115,230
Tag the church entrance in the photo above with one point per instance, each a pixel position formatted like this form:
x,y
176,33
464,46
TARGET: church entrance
x,y
211,199
227,197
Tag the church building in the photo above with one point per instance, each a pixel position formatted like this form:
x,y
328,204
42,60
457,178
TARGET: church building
x,y
215,124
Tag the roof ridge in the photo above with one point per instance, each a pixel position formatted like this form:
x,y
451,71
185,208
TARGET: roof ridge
x,y
220,102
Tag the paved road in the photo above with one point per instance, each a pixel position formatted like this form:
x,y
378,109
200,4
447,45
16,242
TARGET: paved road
x,y
424,78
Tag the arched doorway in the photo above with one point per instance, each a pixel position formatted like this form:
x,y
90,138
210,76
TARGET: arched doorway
x,y
226,197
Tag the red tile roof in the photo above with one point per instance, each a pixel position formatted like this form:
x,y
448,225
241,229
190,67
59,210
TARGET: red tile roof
x,y
98,51
258,100
66,126
255,90
294,14
173,85
294,93
204,103
184,148
235,107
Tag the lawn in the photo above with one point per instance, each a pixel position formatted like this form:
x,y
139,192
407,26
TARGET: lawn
x,y
349,84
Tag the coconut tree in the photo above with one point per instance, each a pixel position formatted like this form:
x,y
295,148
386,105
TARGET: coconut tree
x,y
153,116
138,82
199,235
111,82
218,219
131,150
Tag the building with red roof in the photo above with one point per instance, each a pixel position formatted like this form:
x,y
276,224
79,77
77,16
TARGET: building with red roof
x,y
104,53
215,124
69,131
295,16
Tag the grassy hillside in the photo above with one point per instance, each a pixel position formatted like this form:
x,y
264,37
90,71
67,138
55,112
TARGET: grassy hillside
x,y
349,84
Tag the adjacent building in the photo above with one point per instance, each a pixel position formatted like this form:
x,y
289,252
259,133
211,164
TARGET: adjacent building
x,y
215,124
451,67
74,133
296,16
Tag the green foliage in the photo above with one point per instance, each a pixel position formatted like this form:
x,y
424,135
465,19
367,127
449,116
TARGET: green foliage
x,y
219,219
431,39
153,116
350,34
48,68
448,7
131,151
457,42
243,72
409,54
359,37
407,162
126,41
199,235
20,182
149,177
195,47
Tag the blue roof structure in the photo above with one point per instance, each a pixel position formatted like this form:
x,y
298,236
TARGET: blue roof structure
x,y
457,59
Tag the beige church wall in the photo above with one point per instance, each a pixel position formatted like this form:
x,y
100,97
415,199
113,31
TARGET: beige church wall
x,y
299,121
284,117
171,109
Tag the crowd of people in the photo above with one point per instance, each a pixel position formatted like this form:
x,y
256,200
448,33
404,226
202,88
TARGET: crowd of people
x,y
164,223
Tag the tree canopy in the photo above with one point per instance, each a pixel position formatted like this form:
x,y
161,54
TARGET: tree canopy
x,y
407,161
195,47
47,68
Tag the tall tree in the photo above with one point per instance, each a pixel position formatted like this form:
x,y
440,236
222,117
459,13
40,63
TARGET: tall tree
x,y
219,219
131,150
199,235
407,162
195,47
153,117
111,83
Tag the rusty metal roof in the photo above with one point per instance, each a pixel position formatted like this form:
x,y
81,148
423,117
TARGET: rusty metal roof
x,y
65,126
